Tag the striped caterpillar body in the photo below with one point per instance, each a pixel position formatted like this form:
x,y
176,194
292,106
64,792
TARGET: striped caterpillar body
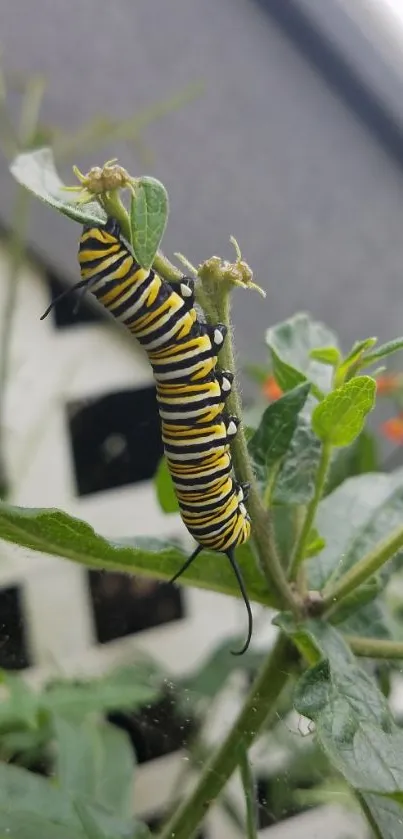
x,y
182,351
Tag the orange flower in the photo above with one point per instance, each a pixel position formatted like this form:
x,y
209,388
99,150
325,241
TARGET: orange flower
x,y
388,383
392,429
271,389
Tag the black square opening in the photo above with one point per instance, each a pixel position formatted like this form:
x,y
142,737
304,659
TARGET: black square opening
x,y
13,646
123,605
63,313
275,798
156,730
116,439
265,817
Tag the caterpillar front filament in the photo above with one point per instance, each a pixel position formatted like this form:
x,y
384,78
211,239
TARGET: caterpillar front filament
x,y
190,392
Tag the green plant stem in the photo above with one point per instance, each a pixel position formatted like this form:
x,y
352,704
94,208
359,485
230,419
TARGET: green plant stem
x,y
249,790
222,764
262,529
375,647
114,207
172,274
302,542
363,570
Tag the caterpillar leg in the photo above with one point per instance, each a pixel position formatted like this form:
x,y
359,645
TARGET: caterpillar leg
x,y
83,284
237,571
186,564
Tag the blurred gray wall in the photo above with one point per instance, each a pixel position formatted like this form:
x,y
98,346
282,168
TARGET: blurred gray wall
x,y
272,151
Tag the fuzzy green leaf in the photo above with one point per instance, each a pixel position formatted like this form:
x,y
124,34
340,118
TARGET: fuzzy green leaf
x,y
315,543
21,825
272,439
56,533
148,218
353,722
18,704
357,350
98,823
353,520
386,815
381,352
95,761
286,376
326,355
165,489
357,459
295,482
126,687
340,417
25,792
36,171
293,340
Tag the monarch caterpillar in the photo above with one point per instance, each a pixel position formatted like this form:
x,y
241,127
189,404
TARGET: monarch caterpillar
x,y
191,393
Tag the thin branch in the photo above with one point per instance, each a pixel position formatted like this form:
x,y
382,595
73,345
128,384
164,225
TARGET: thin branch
x,y
249,790
375,647
262,528
363,569
302,542
222,764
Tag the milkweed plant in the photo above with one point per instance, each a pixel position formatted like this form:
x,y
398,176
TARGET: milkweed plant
x,y
326,536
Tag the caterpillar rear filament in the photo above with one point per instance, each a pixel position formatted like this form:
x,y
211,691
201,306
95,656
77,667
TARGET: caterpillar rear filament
x,y
191,394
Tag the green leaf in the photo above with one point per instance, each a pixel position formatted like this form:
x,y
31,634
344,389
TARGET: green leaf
x,y
295,482
95,761
326,355
98,823
385,815
315,543
26,744
25,792
353,520
272,439
93,829
18,704
20,825
286,376
355,601
148,218
36,171
286,524
127,687
354,725
370,620
382,351
292,342
340,417
165,489
313,690
357,350
56,533
302,638
357,459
